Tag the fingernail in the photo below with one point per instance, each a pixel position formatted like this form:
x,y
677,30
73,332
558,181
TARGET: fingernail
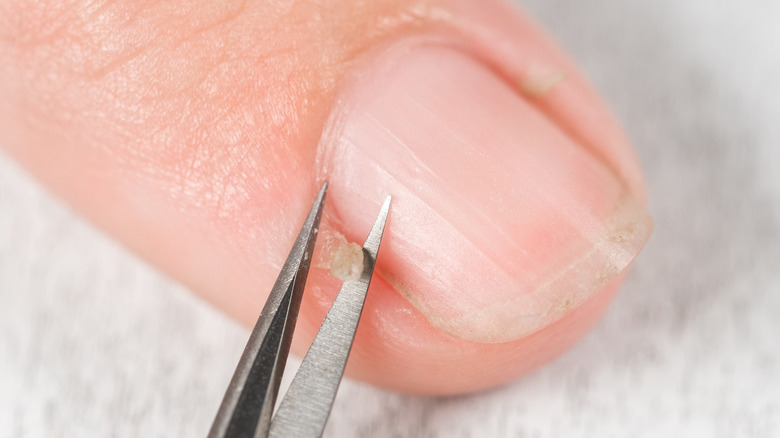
x,y
501,223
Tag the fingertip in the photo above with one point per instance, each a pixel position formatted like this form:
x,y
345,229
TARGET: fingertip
x,y
516,202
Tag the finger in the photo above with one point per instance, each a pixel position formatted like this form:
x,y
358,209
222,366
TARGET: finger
x,y
198,136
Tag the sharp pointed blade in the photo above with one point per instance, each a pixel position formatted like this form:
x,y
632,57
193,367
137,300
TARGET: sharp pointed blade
x,y
249,400
305,408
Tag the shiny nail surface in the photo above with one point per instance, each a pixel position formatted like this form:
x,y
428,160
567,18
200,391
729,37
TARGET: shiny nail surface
x,y
502,223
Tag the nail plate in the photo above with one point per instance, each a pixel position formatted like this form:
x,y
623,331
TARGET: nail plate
x,y
501,223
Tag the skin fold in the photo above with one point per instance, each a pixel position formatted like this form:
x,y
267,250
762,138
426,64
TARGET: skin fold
x,y
198,133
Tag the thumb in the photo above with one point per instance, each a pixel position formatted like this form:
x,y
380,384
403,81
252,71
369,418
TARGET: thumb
x,y
198,134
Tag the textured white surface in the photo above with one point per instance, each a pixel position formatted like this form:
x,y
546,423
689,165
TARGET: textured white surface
x,y
95,343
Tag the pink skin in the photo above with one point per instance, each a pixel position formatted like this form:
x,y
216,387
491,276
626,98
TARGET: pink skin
x,y
198,137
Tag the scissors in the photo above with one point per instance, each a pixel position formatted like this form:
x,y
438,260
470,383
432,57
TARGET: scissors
x,y
248,405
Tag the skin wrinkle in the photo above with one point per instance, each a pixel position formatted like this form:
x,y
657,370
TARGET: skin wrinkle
x,y
25,25
114,23
112,40
229,19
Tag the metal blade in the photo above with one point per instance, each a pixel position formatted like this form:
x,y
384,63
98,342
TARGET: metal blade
x,y
249,400
305,408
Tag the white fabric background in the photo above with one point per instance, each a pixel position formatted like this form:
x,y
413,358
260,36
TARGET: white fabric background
x,y
95,343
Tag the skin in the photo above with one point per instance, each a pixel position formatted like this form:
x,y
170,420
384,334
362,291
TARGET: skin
x,y
190,133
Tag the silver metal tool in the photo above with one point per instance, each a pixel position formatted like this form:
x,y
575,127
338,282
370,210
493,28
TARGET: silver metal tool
x,y
247,408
